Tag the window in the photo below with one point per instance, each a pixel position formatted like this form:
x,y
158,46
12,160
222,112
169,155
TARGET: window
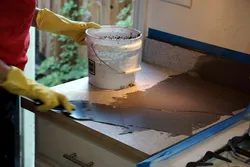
x,y
60,60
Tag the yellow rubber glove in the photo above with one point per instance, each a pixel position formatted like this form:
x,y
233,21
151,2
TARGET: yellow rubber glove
x,y
48,21
18,84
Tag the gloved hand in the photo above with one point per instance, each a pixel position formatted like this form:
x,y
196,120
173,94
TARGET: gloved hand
x,y
18,84
48,21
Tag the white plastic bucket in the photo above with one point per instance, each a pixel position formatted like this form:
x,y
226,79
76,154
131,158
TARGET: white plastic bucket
x,y
113,54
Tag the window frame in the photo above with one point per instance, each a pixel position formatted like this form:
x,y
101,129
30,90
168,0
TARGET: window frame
x,y
140,17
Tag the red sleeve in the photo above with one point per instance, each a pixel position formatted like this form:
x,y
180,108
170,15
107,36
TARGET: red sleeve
x,y
15,21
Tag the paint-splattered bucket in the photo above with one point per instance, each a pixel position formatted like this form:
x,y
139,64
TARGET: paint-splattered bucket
x,y
113,54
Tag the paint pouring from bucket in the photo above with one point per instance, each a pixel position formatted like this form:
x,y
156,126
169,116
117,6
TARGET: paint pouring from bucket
x,y
113,54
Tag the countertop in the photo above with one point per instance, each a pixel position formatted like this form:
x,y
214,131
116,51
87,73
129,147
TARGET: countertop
x,y
137,146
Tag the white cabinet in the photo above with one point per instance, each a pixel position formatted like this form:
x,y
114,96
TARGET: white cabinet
x,y
54,142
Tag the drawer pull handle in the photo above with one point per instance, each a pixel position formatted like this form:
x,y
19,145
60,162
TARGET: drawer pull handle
x,y
72,157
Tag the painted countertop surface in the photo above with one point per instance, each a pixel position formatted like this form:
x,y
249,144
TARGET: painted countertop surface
x,y
137,146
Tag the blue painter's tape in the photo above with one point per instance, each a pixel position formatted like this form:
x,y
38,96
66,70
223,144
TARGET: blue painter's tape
x,y
199,46
191,141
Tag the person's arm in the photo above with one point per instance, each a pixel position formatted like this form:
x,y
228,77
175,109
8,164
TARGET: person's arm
x,y
4,69
14,81
46,20
34,18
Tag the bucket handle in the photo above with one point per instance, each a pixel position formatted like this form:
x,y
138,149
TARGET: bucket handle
x,y
124,72
133,70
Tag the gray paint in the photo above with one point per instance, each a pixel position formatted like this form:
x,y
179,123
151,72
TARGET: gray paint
x,y
169,56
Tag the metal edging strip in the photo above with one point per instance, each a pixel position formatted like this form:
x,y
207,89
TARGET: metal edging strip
x,y
195,139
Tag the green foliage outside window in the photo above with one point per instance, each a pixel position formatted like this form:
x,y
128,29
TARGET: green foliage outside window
x,y
67,66
125,16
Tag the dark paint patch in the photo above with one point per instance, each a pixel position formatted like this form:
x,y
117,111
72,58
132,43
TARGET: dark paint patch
x,y
138,119
185,93
225,72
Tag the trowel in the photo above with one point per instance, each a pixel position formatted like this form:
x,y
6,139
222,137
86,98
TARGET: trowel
x,y
79,113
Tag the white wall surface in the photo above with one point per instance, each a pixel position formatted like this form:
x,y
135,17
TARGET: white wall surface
x,y
224,23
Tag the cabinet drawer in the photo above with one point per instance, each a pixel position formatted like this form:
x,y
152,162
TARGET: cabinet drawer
x,y
54,142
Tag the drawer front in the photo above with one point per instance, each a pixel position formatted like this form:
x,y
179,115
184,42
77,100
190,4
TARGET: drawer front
x,y
55,142
43,161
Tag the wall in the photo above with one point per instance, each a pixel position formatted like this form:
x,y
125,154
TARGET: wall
x,y
224,23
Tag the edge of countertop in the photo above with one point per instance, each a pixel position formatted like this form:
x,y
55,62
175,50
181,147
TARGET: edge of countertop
x,y
98,138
